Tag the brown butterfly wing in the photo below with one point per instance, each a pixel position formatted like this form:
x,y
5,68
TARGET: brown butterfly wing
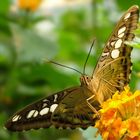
x,y
73,111
60,110
113,69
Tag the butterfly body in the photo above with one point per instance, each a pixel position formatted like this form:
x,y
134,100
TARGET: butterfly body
x,y
75,107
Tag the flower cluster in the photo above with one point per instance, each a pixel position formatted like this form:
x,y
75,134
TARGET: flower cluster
x,y
120,117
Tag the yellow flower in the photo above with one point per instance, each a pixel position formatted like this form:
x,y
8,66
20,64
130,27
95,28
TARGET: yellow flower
x,y
30,5
120,117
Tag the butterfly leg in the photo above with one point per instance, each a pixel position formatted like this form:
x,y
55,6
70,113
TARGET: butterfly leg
x,y
89,101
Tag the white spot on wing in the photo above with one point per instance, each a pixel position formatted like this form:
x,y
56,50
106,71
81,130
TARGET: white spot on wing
x,y
115,53
121,30
16,118
45,100
112,43
53,107
35,114
118,43
121,35
32,113
105,54
44,111
127,16
45,104
55,97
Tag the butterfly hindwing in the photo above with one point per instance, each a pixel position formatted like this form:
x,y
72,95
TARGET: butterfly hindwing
x,y
113,69
56,110
73,110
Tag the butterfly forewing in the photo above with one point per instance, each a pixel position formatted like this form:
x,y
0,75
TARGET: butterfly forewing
x,y
60,110
113,69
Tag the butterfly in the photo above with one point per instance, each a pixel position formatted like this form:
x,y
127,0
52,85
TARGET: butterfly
x,y
74,107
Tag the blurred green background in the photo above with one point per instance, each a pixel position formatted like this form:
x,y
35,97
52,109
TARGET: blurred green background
x,y
58,30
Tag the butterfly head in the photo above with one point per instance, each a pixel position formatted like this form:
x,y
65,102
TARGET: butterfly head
x,y
85,80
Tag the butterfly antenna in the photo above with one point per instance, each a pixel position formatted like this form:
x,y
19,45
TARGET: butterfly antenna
x,y
88,56
50,61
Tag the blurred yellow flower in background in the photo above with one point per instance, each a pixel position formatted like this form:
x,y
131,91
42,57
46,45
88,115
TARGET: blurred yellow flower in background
x,y
30,5
120,117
